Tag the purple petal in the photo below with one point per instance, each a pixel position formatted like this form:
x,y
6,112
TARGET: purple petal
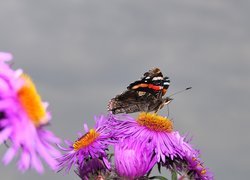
x,y
9,155
4,134
36,163
24,162
5,56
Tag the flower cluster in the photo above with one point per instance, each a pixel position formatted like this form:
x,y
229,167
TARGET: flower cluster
x,y
23,117
139,144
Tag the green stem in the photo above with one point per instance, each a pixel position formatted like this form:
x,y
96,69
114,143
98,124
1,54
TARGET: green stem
x,y
173,175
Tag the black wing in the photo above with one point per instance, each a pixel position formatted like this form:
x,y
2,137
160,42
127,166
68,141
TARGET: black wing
x,y
130,101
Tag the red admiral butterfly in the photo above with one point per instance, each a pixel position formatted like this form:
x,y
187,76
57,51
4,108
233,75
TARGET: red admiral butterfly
x,y
142,95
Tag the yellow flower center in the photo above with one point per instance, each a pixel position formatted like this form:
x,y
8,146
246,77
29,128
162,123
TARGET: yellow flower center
x,y
86,140
31,102
155,122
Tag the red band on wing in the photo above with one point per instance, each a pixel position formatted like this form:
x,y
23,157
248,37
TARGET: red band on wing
x,y
150,86
154,87
140,85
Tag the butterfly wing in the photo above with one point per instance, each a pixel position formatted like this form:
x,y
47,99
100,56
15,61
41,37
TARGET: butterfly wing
x,y
132,101
127,102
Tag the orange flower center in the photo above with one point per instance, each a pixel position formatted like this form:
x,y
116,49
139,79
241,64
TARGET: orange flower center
x,y
203,171
86,139
31,102
155,122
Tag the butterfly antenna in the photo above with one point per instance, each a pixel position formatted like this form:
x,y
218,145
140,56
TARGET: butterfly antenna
x,y
180,91
168,110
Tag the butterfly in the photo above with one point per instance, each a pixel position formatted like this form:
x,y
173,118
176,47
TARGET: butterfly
x,y
145,94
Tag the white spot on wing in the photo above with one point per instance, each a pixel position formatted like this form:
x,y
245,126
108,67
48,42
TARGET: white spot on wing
x,y
157,78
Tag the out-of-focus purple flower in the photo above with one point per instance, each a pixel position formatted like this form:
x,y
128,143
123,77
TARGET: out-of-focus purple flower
x,y
133,159
92,145
22,119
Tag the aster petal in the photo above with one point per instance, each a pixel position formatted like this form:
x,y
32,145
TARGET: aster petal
x,y
68,142
18,73
4,56
63,148
85,126
79,134
9,155
107,163
3,122
36,163
5,104
46,156
24,162
4,134
48,136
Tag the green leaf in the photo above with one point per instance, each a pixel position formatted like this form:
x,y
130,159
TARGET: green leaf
x,y
110,156
159,167
158,177
174,175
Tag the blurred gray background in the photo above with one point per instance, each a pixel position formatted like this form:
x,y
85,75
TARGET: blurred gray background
x,y
82,53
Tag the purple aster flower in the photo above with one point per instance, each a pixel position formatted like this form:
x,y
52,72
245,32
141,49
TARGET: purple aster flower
x,y
23,116
133,159
92,145
157,132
